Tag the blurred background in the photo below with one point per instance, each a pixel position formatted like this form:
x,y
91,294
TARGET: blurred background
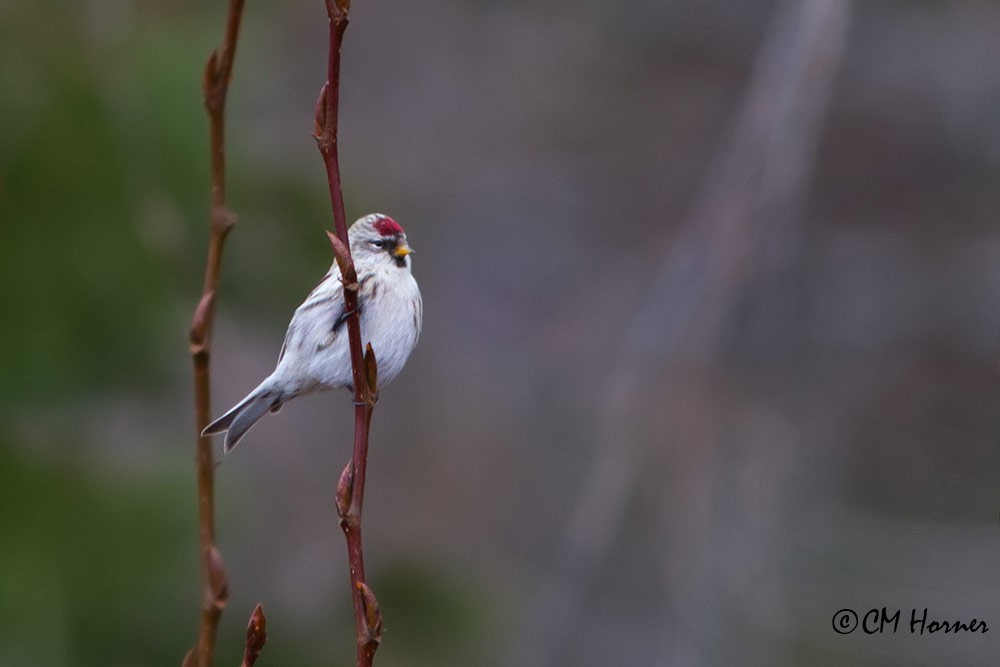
x,y
710,341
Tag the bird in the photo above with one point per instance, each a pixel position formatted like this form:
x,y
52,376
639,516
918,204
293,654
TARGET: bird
x,y
315,355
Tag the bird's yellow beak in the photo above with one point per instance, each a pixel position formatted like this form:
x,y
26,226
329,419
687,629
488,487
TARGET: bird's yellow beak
x,y
401,250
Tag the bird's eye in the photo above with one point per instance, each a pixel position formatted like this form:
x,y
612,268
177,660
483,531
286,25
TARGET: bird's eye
x,y
379,244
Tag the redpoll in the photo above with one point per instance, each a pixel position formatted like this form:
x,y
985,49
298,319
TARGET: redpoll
x,y
315,355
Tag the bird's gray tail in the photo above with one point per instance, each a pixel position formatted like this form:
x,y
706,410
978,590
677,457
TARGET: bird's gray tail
x,y
244,415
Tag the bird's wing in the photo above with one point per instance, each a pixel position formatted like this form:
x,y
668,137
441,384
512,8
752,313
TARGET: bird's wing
x,y
319,318
366,289
317,323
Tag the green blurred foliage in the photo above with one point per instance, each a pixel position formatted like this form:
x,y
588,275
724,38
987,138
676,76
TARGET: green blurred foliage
x,y
87,288
89,566
103,198
433,617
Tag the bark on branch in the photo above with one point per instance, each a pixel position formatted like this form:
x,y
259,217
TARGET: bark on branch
x,y
215,85
351,485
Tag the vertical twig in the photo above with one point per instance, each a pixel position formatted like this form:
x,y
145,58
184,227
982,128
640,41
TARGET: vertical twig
x,y
215,84
751,200
351,487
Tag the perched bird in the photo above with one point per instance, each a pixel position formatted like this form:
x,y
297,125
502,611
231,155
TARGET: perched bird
x,y
315,355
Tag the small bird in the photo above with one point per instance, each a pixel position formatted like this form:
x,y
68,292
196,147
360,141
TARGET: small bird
x,y
315,355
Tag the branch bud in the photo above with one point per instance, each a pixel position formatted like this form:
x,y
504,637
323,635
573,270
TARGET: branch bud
x,y
344,261
340,250
217,578
319,124
210,80
338,9
373,615
223,219
199,324
371,369
256,636
344,487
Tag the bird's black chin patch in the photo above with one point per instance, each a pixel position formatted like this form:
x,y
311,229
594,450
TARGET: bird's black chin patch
x,y
400,262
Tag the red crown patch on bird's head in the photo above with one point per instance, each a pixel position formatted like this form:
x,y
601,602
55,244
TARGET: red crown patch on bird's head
x,y
386,226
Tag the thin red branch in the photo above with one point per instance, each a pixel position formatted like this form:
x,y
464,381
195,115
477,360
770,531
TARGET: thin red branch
x,y
215,85
351,487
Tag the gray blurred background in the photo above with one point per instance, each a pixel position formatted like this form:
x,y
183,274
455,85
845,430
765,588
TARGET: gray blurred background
x,y
710,342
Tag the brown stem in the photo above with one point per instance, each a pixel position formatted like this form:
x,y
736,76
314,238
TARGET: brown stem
x,y
351,488
215,84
